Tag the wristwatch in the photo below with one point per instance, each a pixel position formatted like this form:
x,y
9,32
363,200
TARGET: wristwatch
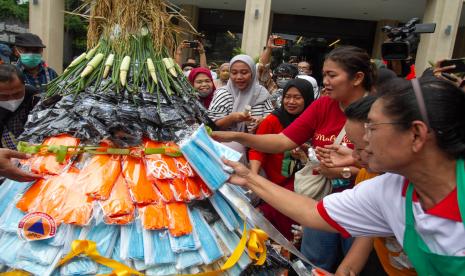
x,y
346,173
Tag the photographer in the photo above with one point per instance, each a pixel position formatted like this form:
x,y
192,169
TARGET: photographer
x,y
196,46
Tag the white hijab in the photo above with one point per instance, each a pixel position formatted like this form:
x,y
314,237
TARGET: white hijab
x,y
254,93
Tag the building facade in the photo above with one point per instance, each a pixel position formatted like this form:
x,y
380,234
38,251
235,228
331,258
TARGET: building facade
x,y
311,27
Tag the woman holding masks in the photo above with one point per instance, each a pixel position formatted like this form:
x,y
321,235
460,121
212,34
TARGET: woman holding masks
x,y
420,199
202,81
347,76
279,168
230,102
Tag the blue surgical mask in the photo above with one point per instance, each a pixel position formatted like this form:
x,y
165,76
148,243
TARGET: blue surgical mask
x,y
30,60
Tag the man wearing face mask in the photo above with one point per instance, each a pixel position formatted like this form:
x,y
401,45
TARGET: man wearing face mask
x,y
281,75
28,49
16,101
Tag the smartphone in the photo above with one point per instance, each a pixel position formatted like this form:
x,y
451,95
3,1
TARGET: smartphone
x,y
192,44
459,65
279,41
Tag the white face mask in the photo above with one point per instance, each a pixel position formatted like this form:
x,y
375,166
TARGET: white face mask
x,y
11,105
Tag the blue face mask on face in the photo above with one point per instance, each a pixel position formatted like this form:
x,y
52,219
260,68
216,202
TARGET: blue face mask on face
x,y
30,60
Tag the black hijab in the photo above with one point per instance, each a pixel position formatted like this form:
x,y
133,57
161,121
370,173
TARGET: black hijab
x,y
306,90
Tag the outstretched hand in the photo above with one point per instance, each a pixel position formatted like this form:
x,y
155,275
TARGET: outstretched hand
x,y
9,170
241,173
332,156
223,136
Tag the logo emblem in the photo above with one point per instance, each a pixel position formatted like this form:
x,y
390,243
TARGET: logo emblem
x,y
37,226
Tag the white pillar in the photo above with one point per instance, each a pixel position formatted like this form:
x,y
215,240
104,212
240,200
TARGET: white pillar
x,y
46,19
256,26
440,45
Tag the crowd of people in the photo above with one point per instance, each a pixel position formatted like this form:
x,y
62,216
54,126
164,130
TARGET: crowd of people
x,y
389,150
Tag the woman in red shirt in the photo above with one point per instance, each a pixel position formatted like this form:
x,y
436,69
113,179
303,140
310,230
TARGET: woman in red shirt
x,y
280,167
348,75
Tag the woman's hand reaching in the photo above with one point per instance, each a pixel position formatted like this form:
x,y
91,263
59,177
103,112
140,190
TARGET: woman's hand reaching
x,y
332,156
241,175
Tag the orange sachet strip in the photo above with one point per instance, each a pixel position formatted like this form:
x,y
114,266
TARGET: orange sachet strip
x,y
180,190
119,204
203,187
99,175
142,191
153,216
77,207
183,166
31,195
178,219
193,188
126,219
47,164
164,186
159,166
48,195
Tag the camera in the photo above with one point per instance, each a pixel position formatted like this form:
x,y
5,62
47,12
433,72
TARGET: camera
x,y
192,44
404,40
279,41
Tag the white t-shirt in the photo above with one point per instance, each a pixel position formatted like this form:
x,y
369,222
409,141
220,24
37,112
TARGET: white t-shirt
x,y
376,207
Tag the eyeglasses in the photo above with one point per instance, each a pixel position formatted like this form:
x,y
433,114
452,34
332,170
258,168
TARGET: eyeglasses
x,y
369,126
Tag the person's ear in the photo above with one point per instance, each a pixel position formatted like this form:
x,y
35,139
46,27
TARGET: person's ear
x,y
420,135
358,78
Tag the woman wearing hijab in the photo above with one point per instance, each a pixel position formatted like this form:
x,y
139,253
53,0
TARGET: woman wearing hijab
x,y
242,91
202,81
280,167
223,74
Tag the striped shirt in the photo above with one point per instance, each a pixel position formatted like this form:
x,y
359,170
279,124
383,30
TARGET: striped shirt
x,y
222,105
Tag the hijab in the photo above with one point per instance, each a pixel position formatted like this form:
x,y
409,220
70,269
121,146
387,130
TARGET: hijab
x,y
193,74
306,90
252,95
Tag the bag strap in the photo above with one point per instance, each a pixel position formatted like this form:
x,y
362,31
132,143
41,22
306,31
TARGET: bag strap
x,y
340,136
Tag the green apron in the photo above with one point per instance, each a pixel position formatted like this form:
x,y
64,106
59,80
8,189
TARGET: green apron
x,y
424,261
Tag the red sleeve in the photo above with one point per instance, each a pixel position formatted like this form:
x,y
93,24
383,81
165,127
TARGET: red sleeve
x,y
270,125
303,128
322,211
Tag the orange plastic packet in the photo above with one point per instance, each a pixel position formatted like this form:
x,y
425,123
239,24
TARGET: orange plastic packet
x,y
193,188
121,220
165,188
78,206
32,195
153,216
180,190
183,166
203,186
179,223
48,195
47,164
119,206
141,189
159,166
99,175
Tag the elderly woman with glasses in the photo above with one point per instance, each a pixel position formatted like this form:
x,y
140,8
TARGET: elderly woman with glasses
x,y
416,134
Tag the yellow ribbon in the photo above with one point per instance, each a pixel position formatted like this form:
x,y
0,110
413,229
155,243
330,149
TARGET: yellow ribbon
x,y
15,273
255,243
89,248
